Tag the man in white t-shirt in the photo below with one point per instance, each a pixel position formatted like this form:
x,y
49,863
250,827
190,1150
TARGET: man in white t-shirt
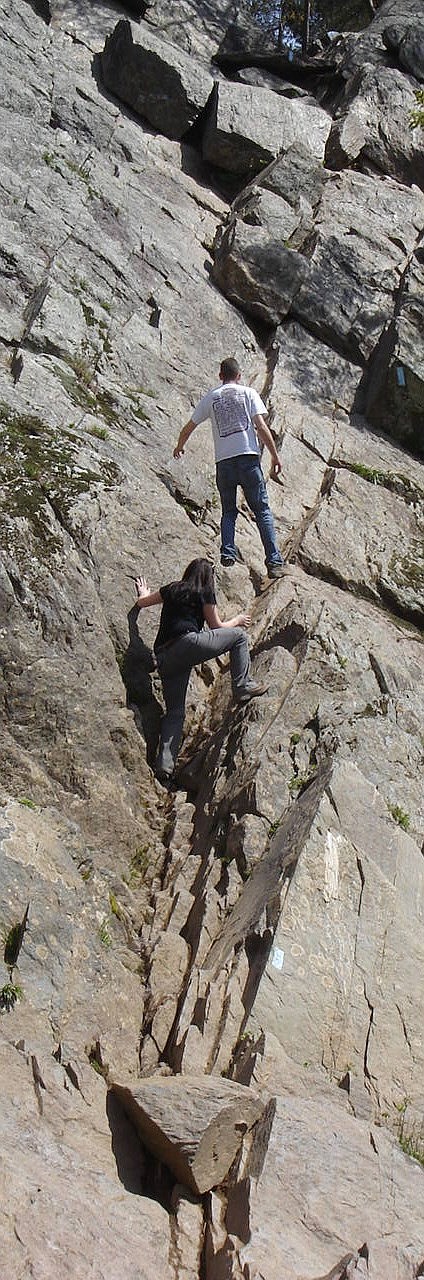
x,y
236,414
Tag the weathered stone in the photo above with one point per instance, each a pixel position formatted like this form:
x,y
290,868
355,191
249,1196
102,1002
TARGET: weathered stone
x,y
242,139
409,47
312,949
258,265
193,1125
63,1206
108,334
308,1177
187,1225
372,129
160,83
393,392
266,80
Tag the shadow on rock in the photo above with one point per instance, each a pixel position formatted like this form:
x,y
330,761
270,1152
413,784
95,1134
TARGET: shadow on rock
x,y
137,664
126,1147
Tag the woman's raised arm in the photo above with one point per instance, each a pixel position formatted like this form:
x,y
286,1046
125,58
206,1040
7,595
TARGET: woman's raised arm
x,y
144,596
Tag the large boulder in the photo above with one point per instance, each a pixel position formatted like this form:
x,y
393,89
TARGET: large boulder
x,y
157,80
195,1126
247,127
371,129
334,267
408,45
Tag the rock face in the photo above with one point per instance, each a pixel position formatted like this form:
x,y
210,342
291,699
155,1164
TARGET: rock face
x,y
210,999
158,81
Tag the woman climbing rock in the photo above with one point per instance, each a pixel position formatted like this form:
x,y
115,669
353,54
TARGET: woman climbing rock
x,y
183,642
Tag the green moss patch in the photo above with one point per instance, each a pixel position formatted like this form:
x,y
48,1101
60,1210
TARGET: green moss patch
x,y
40,471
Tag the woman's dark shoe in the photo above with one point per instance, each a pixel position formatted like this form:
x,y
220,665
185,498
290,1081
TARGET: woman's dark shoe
x,y
166,779
249,691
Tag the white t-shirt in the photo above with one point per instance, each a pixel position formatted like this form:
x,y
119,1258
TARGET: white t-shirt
x,y
231,408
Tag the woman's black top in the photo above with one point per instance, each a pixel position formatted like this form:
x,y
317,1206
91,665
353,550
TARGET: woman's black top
x,y
182,611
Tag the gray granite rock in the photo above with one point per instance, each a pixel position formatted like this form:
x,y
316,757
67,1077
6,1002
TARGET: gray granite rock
x,y
160,83
242,139
372,129
335,267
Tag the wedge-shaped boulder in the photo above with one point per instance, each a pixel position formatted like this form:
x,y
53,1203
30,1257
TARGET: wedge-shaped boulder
x,y
157,80
194,1125
247,127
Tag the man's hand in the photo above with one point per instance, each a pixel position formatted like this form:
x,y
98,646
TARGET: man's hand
x,y
275,468
184,435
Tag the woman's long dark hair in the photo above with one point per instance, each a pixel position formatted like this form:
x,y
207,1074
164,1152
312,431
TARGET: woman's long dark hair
x,y
199,575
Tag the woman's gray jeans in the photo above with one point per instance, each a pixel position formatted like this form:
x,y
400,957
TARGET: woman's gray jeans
x,y
175,662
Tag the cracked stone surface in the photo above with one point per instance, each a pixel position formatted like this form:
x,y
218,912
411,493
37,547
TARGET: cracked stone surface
x,y
260,928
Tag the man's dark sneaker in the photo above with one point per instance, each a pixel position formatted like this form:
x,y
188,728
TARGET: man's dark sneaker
x,y
228,561
249,691
278,570
166,779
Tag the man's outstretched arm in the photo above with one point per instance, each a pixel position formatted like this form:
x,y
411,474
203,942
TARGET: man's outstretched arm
x,y
186,431
266,438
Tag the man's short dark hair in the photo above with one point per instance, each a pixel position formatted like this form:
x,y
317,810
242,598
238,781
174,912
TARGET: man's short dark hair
x,y
229,370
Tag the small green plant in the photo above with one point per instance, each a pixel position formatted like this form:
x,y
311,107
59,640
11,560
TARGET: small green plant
x,y
367,473
95,1059
104,934
116,908
28,804
410,1138
139,863
50,160
294,739
416,117
400,816
341,661
100,432
86,870
9,996
82,367
273,827
300,781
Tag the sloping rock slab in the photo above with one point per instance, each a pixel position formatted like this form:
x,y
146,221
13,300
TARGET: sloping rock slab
x,y
330,1182
160,82
340,985
247,127
194,1125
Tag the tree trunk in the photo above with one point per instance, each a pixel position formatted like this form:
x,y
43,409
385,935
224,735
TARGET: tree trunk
x,y
306,25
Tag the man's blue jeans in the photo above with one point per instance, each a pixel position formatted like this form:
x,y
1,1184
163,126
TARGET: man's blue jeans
x,y
245,470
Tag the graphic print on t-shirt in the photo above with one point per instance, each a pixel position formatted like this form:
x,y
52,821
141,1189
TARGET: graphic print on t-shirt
x,y
230,413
